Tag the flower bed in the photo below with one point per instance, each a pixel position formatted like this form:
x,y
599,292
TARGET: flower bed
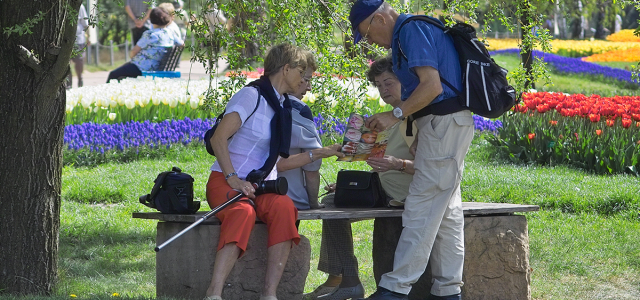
x,y
569,48
625,35
137,99
630,55
593,133
570,65
91,143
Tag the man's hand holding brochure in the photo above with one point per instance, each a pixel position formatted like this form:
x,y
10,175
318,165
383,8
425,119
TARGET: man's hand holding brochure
x,y
360,143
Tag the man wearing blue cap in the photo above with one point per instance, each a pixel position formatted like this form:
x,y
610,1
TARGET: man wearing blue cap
x,y
433,220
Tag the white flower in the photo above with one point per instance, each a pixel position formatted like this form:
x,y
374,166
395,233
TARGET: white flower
x,y
309,98
372,93
129,103
112,116
173,102
194,102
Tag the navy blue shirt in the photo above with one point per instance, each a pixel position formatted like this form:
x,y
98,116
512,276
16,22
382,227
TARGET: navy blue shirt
x,y
424,45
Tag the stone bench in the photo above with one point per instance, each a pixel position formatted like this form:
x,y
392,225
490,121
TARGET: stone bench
x,y
496,254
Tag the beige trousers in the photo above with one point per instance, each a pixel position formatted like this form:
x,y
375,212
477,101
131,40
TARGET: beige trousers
x,y
433,220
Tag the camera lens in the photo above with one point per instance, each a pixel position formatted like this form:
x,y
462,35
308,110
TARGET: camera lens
x,y
278,186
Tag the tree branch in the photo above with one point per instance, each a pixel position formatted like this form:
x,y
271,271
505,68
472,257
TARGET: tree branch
x,y
29,59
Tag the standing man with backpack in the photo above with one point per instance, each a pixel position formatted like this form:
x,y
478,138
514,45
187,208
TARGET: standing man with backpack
x,y
433,220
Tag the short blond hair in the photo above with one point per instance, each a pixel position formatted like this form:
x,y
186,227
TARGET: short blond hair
x,y
168,7
281,55
311,60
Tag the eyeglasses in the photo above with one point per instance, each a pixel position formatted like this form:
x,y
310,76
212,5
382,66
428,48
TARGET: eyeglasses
x,y
365,37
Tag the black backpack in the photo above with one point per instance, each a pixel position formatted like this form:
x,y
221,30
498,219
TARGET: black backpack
x,y
209,133
172,193
485,89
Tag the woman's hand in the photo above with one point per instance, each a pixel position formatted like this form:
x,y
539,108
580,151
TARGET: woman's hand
x,y
383,164
246,187
330,188
324,152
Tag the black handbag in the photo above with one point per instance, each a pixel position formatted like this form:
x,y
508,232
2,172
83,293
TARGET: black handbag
x,y
359,189
172,193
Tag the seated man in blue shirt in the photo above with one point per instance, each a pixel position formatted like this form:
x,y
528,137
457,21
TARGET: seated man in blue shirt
x,y
433,220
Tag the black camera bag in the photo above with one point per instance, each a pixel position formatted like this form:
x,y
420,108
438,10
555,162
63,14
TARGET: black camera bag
x,y
359,189
172,193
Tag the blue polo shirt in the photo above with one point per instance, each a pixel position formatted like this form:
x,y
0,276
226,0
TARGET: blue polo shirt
x,y
424,45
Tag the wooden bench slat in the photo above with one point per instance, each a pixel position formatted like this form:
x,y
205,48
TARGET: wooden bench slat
x,y
469,208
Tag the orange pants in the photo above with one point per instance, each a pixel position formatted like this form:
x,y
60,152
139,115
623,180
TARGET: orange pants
x,y
238,219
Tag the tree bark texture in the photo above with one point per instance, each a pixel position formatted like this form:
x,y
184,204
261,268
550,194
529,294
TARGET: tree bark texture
x,y
527,56
33,67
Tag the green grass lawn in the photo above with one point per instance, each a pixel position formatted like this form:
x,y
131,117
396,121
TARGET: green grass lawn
x,y
581,253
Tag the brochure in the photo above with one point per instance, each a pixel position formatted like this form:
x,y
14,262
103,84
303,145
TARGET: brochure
x,y
360,143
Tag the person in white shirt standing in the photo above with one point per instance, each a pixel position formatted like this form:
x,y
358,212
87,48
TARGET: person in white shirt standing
x,y
80,46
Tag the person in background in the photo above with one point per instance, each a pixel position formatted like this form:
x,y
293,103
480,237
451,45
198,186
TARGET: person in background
x,y
81,44
433,221
396,171
303,175
138,12
152,46
181,18
172,27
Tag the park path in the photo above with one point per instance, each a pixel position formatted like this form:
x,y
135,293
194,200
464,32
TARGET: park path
x,y
187,68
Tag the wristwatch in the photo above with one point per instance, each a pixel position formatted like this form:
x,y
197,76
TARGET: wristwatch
x,y
397,112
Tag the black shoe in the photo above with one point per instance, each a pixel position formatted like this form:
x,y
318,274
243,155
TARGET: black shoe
x,y
384,294
450,297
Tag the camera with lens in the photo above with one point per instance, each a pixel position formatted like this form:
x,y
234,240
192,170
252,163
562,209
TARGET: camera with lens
x,y
278,186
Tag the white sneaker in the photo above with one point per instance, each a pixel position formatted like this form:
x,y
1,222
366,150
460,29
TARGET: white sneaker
x,y
213,298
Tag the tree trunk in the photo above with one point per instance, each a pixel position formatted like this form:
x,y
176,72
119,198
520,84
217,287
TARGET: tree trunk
x,y
527,56
32,109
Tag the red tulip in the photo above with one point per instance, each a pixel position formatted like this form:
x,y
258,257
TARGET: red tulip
x,y
594,118
554,123
531,136
626,123
598,131
610,122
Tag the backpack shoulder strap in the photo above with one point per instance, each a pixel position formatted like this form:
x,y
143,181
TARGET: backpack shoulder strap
x,y
435,23
221,115
158,183
424,18
257,104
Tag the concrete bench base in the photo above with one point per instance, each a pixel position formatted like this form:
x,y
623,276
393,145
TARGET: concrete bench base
x,y
184,268
496,254
496,264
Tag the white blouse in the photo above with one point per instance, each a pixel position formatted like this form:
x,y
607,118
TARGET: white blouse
x,y
249,146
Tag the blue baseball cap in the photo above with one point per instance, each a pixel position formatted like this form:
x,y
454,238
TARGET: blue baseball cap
x,y
361,10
